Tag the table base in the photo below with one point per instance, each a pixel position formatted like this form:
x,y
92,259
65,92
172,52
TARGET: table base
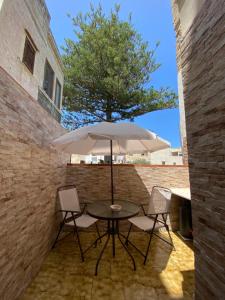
x,y
112,230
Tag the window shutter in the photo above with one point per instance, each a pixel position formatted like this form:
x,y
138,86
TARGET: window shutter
x,y
48,79
29,55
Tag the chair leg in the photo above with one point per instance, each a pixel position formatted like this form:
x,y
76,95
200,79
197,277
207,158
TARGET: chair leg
x,y
172,244
79,243
149,242
126,241
150,239
97,229
101,253
60,229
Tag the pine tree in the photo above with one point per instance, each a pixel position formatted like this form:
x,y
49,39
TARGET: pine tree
x,y
108,71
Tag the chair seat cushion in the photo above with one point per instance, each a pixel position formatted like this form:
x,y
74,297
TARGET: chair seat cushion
x,y
144,223
83,221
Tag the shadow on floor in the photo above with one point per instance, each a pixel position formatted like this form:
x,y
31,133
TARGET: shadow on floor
x,y
167,275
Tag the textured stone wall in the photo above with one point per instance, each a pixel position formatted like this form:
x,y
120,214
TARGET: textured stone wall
x,y
200,55
185,151
30,172
131,182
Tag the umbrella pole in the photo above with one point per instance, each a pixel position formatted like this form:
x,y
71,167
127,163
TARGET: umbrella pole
x,y
111,163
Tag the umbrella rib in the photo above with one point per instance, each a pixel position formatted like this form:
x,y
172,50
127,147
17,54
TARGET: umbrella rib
x,y
94,145
66,146
122,152
118,146
144,146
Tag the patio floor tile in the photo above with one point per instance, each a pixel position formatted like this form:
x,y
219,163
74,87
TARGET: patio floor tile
x,y
167,275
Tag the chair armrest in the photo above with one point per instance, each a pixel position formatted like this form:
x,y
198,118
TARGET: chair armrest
x,y
69,211
152,216
142,205
155,216
158,213
74,216
86,202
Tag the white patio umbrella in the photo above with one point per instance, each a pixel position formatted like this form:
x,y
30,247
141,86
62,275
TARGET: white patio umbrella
x,y
108,139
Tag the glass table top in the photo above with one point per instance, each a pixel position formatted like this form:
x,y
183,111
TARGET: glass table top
x,y
101,210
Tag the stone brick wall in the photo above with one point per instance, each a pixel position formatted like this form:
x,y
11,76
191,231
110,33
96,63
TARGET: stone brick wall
x,y
131,182
200,54
30,172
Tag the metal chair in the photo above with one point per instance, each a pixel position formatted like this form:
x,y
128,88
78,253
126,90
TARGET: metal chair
x,y
154,219
73,216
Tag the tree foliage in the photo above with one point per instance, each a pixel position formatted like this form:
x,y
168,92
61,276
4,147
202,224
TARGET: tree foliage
x,y
108,71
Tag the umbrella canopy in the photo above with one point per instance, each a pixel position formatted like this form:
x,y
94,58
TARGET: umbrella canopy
x,y
108,139
127,138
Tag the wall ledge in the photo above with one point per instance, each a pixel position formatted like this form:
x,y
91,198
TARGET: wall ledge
x,y
23,90
127,165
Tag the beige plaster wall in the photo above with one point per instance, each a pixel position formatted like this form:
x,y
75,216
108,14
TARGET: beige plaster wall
x,y
188,10
32,15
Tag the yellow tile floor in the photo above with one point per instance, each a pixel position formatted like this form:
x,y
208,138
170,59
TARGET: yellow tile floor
x,y
167,275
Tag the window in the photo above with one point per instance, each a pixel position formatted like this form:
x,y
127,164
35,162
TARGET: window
x,y
58,93
29,53
48,80
94,159
175,153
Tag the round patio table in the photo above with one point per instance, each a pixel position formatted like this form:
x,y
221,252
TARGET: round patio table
x,y
101,210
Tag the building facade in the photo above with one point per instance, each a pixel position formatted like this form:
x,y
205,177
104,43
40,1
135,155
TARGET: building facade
x,y
169,156
95,159
29,53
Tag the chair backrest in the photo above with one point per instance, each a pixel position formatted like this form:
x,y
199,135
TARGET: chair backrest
x,y
160,200
68,198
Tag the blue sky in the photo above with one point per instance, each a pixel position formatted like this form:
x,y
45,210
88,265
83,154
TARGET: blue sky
x,y
151,18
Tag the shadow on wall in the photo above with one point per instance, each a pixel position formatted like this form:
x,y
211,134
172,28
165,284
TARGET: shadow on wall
x,y
131,182
188,281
